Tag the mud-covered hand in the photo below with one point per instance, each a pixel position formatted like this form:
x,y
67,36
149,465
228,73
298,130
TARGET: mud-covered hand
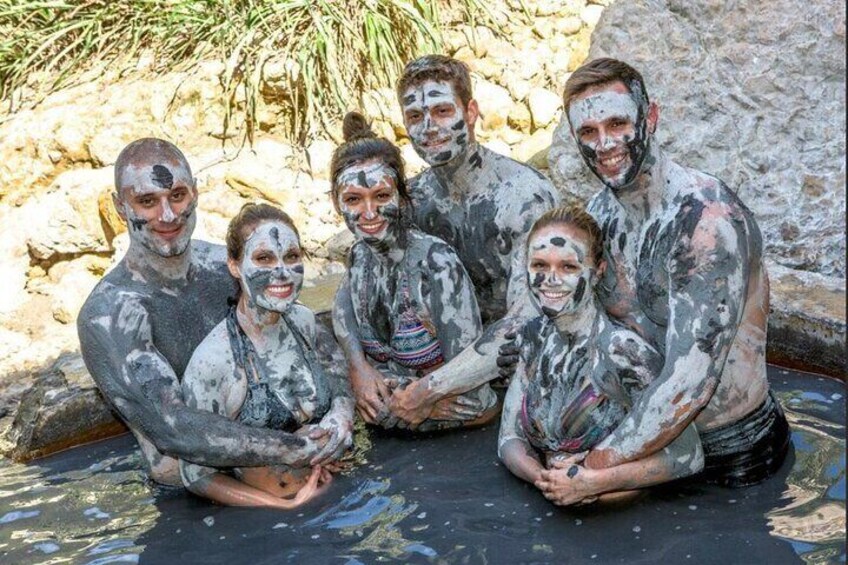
x,y
567,482
335,429
370,391
413,404
457,408
508,355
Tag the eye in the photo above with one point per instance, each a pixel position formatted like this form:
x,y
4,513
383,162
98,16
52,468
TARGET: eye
x,y
414,116
538,265
618,123
263,258
384,196
444,110
350,199
293,256
570,267
586,132
178,195
146,201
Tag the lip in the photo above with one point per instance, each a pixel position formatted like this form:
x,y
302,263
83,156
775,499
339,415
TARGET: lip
x,y
372,228
435,143
169,234
614,163
284,290
554,295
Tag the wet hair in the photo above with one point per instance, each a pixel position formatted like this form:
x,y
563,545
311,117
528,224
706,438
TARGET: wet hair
x,y
574,215
437,68
148,150
362,144
600,72
250,216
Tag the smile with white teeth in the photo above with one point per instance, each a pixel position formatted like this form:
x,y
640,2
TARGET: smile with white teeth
x,y
610,162
554,294
435,142
372,227
280,290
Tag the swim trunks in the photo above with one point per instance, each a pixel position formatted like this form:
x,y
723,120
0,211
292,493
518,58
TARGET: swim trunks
x,y
749,451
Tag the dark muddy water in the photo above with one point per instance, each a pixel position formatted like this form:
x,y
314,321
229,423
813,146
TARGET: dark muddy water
x,y
439,499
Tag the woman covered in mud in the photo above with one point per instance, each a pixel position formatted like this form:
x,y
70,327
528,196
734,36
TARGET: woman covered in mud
x,y
412,301
258,366
578,373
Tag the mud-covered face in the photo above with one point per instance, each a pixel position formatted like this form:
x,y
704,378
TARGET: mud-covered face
x,y
610,126
271,268
369,201
158,203
560,269
435,121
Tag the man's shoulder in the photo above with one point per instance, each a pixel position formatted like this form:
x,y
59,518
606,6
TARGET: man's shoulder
x,y
112,293
509,169
208,256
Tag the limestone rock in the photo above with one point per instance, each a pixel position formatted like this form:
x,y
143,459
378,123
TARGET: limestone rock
x,y
339,245
495,104
63,409
413,163
569,25
319,153
520,117
73,281
499,146
753,93
69,216
591,14
544,107
109,218
382,104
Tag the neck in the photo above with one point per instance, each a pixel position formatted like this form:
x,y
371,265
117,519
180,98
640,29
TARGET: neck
x,y
578,324
645,194
392,249
258,323
459,173
155,268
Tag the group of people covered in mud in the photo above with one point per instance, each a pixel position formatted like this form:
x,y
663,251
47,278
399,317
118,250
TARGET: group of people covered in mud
x,y
622,343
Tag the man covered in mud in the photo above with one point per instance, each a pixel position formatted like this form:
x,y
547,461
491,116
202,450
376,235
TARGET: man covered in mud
x,y
479,202
685,270
143,320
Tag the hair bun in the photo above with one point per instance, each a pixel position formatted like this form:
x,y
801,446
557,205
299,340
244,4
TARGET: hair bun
x,y
355,126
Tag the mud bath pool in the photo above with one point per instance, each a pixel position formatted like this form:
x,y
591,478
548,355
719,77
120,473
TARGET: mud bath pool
x,y
437,499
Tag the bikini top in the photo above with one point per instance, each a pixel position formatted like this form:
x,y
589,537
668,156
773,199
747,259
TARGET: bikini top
x,y
563,409
413,343
264,406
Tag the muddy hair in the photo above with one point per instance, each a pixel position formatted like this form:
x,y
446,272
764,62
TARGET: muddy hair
x,y
573,215
148,150
250,216
603,71
436,68
362,144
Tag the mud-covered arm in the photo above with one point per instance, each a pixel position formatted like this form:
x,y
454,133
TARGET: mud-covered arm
x,y
707,280
513,448
567,482
118,350
336,427
367,383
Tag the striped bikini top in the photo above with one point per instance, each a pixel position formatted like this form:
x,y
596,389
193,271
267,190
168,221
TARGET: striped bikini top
x,y
563,410
413,342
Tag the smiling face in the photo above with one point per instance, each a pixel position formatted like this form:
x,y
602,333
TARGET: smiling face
x,y
437,123
612,127
158,202
369,201
270,270
560,269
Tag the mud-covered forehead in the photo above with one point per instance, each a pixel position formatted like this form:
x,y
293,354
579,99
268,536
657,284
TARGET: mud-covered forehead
x,y
366,175
602,105
153,176
272,235
427,94
562,239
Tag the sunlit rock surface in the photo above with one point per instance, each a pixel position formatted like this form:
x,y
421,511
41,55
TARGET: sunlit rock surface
x,y
752,92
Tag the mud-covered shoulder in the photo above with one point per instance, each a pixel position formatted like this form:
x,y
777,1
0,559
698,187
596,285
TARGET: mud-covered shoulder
x,y
106,300
209,256
632,358
531,338
303,318
434,251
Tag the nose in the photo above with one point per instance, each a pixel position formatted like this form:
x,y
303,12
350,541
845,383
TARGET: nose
x,y
370,209
554,278
167,215
605,140
281,272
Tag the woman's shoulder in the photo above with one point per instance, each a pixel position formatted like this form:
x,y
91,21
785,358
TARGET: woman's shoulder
x,y
212,355
302,316
436,252
626,346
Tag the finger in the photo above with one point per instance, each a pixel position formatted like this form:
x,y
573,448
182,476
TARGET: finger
x,y
506,360
318,432
511,334
382,389
365,412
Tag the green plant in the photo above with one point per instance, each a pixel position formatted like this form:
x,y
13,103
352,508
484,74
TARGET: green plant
x,y
332,49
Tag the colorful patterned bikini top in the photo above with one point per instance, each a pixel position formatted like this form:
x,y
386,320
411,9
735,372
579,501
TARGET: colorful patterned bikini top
x,y
262,406
413,344
562,408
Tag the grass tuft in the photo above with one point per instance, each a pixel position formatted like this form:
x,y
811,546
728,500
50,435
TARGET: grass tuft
x,y
332,49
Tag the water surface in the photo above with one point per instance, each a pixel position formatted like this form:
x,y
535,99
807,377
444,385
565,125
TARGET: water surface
x,y
438,499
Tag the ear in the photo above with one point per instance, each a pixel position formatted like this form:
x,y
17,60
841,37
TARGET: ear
x,y
194,186
233,267
653,117
602,266
472,112
119,206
